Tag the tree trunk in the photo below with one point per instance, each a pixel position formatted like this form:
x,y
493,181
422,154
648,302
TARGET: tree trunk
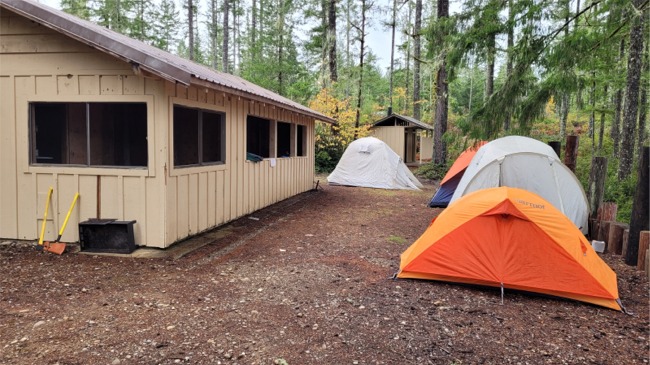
x,y
639,219
564,114
362,40
226,40
331,40
630,109
571,152
592,113
280,31
416,59
254,24
643,101
348,40
407,79
596,185
601,130
510,43
190,27
392,57
489,68
618,102
440,125
644,245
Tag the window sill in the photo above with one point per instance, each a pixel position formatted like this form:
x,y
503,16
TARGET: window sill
x,y
88,170
181,171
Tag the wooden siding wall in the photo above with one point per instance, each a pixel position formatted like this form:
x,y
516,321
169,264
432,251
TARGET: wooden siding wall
x,y
201,198
426,147
37,64
393,136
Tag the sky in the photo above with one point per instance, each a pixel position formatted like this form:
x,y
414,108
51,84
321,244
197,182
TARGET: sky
x,y
379,37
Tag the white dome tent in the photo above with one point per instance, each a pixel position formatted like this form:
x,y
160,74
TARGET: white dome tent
x,y
526,163
369,162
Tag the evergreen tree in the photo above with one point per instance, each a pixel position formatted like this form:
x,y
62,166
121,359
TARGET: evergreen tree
x,y
440,124
77,8
630,110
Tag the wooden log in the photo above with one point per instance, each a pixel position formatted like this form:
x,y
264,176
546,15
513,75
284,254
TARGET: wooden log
x,y
571,152
626,236
607,211
603,233
647,263
644,245
556,146
596,188
615,239
639,220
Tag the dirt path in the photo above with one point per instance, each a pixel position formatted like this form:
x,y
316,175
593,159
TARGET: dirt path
x,y
308,282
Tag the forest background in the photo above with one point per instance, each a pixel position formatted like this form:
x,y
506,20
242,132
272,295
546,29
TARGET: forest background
x,y
487,68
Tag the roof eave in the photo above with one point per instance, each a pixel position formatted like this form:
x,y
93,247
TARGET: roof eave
x,y
261,99
98,41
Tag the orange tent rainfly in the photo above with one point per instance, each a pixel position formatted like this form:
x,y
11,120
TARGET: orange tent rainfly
x,y
511,238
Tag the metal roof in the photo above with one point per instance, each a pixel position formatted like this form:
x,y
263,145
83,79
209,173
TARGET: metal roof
x,y
164,64
414,122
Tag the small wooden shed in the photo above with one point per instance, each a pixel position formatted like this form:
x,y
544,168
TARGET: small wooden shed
x,y
410,138
140,133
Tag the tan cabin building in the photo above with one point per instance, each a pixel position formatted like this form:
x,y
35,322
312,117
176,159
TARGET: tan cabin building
x,y
140,133
410,138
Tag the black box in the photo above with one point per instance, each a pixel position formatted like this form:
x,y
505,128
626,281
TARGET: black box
x,y
106,235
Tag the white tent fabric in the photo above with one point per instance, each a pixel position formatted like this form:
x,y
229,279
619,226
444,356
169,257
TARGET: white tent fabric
x,y
369,162
526,163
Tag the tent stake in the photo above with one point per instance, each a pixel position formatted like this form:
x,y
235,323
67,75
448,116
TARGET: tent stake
x,y
501,293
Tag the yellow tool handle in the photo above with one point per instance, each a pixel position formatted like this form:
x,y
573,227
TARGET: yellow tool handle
x,y
47,207
65,222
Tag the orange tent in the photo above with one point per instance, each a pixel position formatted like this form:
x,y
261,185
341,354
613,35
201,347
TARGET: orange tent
x,y
511,238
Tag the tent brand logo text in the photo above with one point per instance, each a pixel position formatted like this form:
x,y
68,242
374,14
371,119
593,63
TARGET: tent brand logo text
x,y
529,204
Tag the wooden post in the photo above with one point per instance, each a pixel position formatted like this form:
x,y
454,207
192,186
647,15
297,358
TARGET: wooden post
x,y
626,236
644,244
556,146
639,220
571,152
596,188
607,211
615,239
603,234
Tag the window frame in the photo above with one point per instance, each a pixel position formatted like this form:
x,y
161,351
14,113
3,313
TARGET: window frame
x,y
226,148
26,159
301,138
200,137
272,137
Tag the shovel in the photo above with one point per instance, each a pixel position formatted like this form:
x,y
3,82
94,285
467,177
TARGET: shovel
x,y
47,207
56,246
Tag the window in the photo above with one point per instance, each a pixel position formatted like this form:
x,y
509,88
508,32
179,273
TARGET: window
x,y
89,134
284,140
258,133
301,140
199,137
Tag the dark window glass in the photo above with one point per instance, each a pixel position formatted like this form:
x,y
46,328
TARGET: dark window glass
x,y
301,140
199,137
284,139
90,134
257,136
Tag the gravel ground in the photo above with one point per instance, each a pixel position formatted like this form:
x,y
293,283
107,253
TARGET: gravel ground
x,y
307,281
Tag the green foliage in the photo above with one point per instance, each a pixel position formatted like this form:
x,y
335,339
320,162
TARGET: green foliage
x,y
431,171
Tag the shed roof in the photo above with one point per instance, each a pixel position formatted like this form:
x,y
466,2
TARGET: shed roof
x,y
409,121
146,57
